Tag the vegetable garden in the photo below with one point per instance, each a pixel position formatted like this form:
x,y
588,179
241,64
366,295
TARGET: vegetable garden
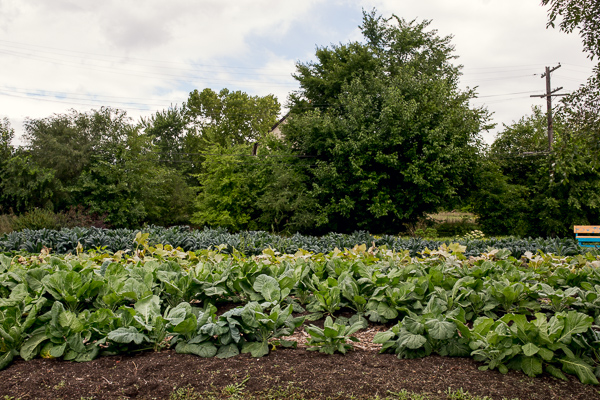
x,y
536,313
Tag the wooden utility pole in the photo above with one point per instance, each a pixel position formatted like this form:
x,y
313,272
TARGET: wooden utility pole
x,y
549,94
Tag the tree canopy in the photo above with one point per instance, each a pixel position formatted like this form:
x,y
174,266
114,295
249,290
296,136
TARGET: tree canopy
x,y
393,135
583,15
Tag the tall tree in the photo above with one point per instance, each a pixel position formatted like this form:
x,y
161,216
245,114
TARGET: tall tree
x,y
581,107
70,143
7,135
583,15
394,136
230,118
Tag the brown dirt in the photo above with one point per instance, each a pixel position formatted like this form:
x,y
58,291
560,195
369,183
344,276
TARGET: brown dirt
x,y
362,373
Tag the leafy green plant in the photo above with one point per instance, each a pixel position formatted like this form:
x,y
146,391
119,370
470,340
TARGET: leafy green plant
x,y
13,330
420,335
333,337
260,327
534,346
67,334
327,298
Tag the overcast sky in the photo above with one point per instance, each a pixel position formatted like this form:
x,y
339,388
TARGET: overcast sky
x,y
143,56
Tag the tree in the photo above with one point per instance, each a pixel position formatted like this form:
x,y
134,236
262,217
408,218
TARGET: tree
x,y
7,134
25,185
129,187
583,15
230,118
225,126
521,149
525,190
70,143
580,108
393,135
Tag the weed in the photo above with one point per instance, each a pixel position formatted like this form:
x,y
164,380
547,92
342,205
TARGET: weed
x,y
461,394
186,393
59,385
236,389
401,395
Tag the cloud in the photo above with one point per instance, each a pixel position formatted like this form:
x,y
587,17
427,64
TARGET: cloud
x,y
144,56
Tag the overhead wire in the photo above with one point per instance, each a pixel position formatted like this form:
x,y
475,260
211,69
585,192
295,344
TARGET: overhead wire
x,y
144,74
20,46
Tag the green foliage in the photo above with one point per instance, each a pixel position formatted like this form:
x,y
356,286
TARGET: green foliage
x,y
230,118
262,326
7,134
26,185
100,161
128,187
534,314
333,337
254,243
526,190
391,144
577,14
230,190
69,144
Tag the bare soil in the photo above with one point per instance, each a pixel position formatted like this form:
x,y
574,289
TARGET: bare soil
x,y
360,374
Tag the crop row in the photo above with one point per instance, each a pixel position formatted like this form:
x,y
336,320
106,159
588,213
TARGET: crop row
x,y
536,313
253,243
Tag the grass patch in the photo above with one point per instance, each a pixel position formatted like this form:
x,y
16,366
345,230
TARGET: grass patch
x,y
291,392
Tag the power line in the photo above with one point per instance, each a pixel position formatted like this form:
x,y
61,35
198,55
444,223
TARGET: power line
x,y
141,74
20,45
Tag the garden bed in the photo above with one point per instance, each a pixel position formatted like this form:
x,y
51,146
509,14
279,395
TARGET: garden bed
x,y
283,374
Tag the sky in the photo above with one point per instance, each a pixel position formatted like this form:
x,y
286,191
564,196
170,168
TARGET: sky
x,y
143,56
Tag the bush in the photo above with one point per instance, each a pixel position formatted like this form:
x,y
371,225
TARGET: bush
x,y
40,218
6,223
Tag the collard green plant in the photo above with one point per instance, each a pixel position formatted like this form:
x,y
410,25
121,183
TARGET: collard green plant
x,y
14,329
535,346
333,337
261,327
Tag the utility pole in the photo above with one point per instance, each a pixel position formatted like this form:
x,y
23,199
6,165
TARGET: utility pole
x,y
549,94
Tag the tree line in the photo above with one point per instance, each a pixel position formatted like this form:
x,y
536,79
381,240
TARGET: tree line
x,y
378,135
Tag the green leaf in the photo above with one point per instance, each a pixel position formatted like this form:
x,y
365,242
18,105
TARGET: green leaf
x,y
187,327
555,372
575,322
386,311
413,326
330,332
28,349
58,351
148,308
87,356
127,335
546,354
532,366
268,287
6,358
440,330
410,340
228,351
578,367
530,349
205,350
257,349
